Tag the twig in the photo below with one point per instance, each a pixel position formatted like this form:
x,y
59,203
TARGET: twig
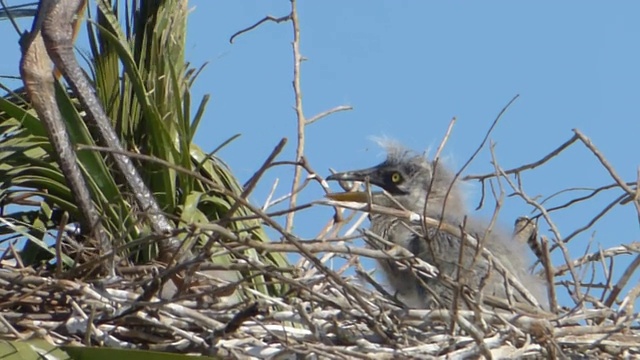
x,y
445,138
63,223
253,181
630,192
529,166
245,314
480,146
327,113
297,62
548,274
593,220
596,256
554,229
265,19
267,201
593,193
624,279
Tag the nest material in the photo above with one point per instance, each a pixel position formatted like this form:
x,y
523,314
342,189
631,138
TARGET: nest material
x,y
324,315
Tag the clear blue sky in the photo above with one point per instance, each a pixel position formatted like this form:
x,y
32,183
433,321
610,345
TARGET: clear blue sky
x,y
407,68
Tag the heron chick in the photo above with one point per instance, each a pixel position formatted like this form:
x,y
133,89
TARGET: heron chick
x,y
416,184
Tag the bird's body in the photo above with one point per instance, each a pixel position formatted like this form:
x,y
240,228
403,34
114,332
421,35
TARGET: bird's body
x,y
412,181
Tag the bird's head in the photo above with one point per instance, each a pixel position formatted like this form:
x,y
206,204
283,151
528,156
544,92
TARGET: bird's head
x,y
409,177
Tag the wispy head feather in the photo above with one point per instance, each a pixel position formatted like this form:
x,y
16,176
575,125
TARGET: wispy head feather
x,y
425,177
398,154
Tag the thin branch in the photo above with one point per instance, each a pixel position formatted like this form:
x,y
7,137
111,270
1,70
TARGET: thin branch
x,y
628,249
554,229
622,282
253,181
297,62
529,166
630,192
58,243
445,138
480,146
327,113
548,274
593,193
591,222
265,19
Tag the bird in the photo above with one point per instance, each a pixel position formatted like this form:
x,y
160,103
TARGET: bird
x,y
410,181
525,230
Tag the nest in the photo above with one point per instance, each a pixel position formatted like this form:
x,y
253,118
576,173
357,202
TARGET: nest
x,y
322,313
327,306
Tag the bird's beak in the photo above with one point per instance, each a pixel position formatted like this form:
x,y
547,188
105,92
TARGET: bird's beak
x,y
355,175
364,175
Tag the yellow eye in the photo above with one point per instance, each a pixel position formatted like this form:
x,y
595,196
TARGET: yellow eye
x,y
396,178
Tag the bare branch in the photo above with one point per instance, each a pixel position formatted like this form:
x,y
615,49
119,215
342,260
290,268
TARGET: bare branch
x,y
327,113
265,19
529,166
630,192
301,121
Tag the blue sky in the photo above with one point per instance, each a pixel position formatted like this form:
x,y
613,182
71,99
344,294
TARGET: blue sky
x,y
407,68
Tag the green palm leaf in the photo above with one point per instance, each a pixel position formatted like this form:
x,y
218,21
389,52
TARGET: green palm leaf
x,y
142,79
